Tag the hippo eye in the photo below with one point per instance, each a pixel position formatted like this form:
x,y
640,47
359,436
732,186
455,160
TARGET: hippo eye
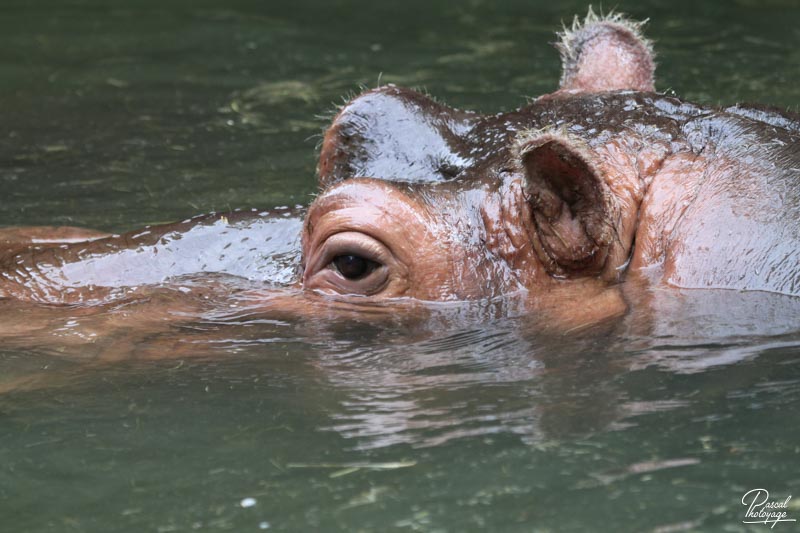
x,y
353,267
349,262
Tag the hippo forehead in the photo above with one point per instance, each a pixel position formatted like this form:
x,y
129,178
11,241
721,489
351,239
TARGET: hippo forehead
x,y
398,134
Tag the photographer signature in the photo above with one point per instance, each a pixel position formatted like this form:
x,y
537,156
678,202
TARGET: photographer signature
x,y
760,510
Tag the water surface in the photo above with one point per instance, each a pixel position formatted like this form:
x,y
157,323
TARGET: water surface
x,y
450,418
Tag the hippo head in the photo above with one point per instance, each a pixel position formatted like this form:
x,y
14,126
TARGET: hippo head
x,y
424,201
538,213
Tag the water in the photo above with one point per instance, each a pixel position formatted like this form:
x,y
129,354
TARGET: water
x,y
445,418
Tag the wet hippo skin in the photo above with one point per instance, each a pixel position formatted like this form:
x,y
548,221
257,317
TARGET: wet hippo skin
x,y
601,178
564,197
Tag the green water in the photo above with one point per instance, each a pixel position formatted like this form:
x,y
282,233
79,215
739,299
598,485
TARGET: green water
x,y
120,114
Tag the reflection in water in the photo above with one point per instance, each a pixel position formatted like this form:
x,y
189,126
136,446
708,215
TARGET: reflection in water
x,y
694,330
319,405
427,374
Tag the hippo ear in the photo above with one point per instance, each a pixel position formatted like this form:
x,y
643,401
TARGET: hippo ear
x,y
570,205
605,53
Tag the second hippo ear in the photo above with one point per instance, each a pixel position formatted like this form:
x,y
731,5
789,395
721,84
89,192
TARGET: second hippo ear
x,y
605,53
570,205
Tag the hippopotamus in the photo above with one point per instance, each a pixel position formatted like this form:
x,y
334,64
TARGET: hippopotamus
x,y
566,197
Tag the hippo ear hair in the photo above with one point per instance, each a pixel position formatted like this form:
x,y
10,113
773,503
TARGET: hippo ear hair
x,y
605,53
571,206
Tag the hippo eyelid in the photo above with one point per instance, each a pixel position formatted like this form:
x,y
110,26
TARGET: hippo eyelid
x,y
366,247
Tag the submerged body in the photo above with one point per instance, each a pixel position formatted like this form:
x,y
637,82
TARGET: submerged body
x,y
254,245
568,195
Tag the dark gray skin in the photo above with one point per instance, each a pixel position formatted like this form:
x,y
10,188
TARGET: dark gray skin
x,y
560,200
